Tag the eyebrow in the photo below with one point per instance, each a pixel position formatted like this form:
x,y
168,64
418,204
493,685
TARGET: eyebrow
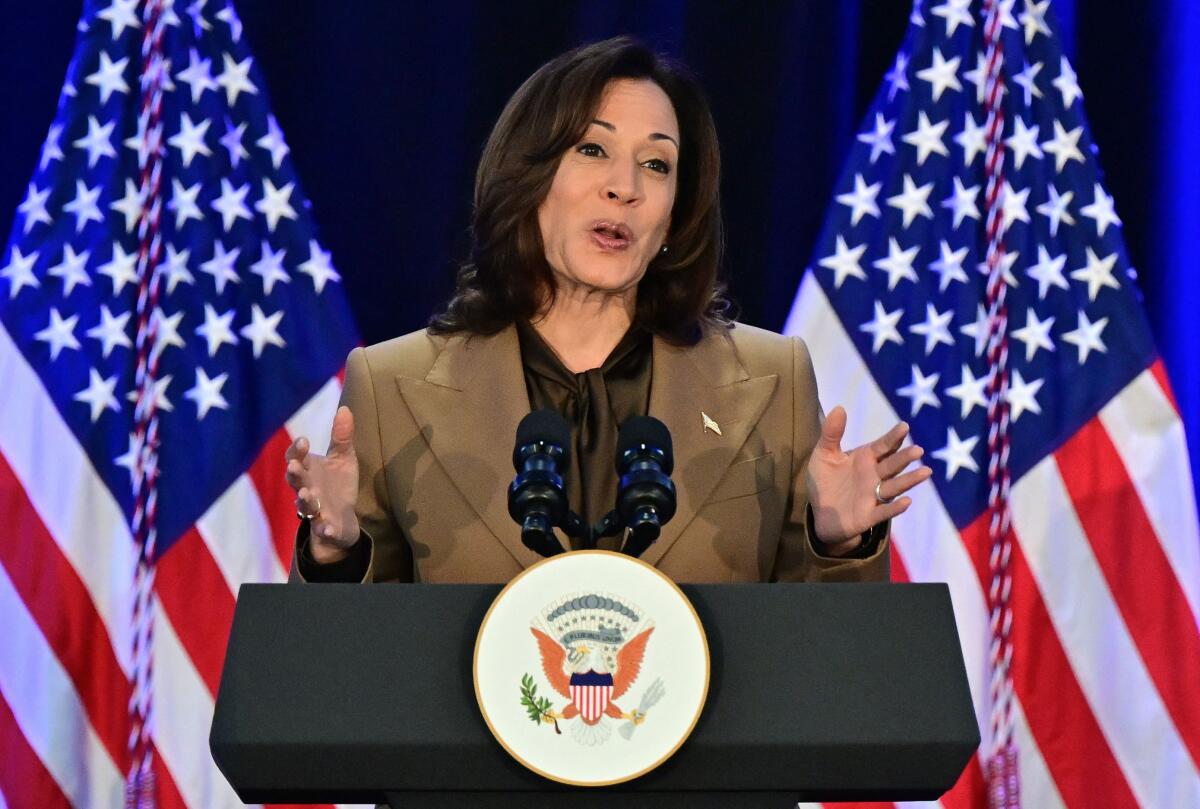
x,y
652,136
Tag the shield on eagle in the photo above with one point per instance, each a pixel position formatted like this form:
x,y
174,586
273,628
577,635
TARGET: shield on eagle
x,y
590,693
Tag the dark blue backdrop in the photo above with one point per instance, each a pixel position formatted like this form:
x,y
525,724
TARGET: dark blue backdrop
x,y
386,106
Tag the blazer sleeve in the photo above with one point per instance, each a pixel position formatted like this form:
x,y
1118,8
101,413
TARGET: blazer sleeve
x,y
382,553
797,557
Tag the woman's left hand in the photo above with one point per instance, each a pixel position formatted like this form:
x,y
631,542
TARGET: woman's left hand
x,y
842,485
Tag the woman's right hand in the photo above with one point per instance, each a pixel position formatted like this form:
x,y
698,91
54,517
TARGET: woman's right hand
x,y
326,489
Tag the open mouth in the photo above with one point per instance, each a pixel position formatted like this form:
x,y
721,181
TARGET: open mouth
x,y
612,235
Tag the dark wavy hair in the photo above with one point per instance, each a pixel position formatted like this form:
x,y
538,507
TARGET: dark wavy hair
x,y
507,277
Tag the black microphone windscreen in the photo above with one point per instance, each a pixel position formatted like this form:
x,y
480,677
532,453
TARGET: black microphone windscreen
x,y
544,425
650,431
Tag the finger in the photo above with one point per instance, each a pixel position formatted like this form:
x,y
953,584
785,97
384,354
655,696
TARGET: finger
x,y
899,485
889,442
894,464
832,430
341,437
298,449
296,474
308,501
889,511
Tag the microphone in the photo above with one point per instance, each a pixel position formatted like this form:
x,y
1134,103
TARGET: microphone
x,y
537,499
645,493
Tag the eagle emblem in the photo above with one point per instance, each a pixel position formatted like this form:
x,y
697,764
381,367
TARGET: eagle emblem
x,y
591,649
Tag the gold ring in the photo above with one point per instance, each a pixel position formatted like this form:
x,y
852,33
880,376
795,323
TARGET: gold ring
x,y
304,516
879,497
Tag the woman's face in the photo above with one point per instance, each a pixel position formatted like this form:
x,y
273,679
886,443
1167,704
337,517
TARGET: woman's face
x,y
609,207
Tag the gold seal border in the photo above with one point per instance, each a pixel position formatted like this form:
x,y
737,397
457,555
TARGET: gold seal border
x,y
691,725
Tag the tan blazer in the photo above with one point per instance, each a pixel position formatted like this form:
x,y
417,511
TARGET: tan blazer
x,y
436,416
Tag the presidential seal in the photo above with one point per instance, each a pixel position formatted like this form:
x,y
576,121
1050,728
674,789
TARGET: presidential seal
x,y
583,644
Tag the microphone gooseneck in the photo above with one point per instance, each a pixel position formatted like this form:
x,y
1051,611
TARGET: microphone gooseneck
x,y
645,493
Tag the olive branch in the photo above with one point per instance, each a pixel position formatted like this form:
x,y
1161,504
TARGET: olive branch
x,y
538,708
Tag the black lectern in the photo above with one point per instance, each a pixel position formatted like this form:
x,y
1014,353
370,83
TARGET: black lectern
x,y
345,693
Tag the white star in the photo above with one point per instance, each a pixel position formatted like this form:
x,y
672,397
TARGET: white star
x,y
97,141
935,328
121,14
1027,78
882,327
1101,210
34,207
318,266
957,453
927,138
1067,83
84,205
897,77
971,139
19,271
183,203
198,75
861,201
1055,208
1013,203
120,268
166,331
1022,396
235,78
950,266
177,269
916,17
898,263
920,391
273,142
98,395
1023,142
132,459
72,269
978,77
1006,15
157,397
1035,334
109,77
880,139
189,140
50,149
196,12
1034,19
1048,272
262,330
955,12
129,205
962,201
220,266
969,392
148,76
110,331
1098,272
844,262
1006,264
229,16
231,204
270,267
59,334
1064,145
1086,337
274,204
232,141
217,330
139,141
913,202
978,330
206,393
941,75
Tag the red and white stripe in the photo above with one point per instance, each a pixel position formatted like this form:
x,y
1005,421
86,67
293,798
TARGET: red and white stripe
x,y
1106,579
591,700
66,597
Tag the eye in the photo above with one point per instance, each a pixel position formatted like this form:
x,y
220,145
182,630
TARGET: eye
x,y
661,166
590,149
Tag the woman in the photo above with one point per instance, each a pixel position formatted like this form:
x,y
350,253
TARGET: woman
x,y
592,288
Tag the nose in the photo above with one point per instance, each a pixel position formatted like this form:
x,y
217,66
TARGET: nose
x,y
624,182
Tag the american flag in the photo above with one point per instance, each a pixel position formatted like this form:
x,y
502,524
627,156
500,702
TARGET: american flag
x,y
170,321
972,279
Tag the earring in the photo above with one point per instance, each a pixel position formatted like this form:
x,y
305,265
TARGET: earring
x,y
664,249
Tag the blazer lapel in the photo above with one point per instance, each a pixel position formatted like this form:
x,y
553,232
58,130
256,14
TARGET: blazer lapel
x,y
707,379
468,407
